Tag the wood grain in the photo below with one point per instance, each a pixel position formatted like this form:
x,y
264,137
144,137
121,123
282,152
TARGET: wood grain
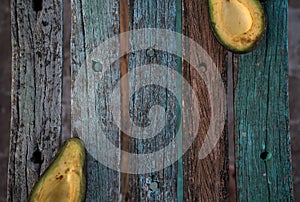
x,y
153,14
263,161
124,45
182,180
36,92
206,179
92,23
261,114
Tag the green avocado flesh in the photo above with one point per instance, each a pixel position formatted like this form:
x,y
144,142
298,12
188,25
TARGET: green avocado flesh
x,y
239,25
64,180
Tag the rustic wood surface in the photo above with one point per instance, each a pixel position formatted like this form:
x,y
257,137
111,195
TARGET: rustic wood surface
x,y
263,154
36,92
261,103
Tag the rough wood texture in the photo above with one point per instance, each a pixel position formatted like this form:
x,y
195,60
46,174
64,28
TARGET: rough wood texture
x,y
92,23
189,179
261,114
153,14
206,179
36,92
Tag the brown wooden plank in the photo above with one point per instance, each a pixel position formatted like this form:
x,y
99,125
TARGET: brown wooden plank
x,y
36,92
204,179
124,45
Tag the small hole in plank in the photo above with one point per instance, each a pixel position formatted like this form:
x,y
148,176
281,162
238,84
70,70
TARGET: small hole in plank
x,y
265,155
150,52
153,186
96,65
37,157
37,5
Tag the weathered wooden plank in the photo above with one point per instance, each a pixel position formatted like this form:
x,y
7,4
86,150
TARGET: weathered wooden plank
x,y
263,155
155,185
204,179
92,23
36,92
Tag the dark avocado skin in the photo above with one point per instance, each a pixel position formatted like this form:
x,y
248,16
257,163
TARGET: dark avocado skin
x,y
231,48
48,170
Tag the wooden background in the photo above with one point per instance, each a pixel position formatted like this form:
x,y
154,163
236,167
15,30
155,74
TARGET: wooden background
x,y
260,104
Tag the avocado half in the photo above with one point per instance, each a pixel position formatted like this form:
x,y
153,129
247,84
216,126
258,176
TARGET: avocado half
x,y
239,25
64,180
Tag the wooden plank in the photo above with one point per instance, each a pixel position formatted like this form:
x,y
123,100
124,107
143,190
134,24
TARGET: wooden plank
x,y
124,45
179,78
263,155
156,185
92,23
36,92
204,179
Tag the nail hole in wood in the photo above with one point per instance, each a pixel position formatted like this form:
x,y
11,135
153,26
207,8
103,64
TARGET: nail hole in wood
x,y
202,67
37,5
153,186
37,157
150,52
96,65
265,155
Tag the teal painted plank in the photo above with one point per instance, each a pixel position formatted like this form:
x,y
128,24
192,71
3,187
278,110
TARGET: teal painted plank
x,y
156,185
180,177
93,22
37,64
263,155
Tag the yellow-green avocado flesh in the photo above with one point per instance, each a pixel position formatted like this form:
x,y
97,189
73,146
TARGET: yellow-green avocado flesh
x,y
64,180
239,25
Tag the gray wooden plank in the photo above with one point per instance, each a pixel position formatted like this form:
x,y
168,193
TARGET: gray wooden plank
x,y
92,23
36,92
263,154
156,185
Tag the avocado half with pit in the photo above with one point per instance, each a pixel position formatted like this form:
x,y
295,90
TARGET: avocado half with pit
x,y
64,180
239,25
